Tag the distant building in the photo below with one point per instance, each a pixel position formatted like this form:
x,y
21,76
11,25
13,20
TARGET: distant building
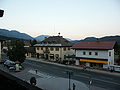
x,y
54,48
30,52
95,53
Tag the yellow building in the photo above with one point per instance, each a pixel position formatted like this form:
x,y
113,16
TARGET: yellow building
x,y
54,48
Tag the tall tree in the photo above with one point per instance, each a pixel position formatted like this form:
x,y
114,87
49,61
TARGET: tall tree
x,y
17,52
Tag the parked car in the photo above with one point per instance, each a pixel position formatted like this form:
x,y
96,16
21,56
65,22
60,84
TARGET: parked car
x,y
2,61
9,63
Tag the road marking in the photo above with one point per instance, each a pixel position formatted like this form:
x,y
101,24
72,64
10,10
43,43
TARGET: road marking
x,y
41,74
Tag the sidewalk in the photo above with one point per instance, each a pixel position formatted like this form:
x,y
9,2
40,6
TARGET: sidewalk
x,y
77,67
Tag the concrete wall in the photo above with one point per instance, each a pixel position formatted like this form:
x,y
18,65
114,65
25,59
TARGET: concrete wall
x,y
111,57
102,54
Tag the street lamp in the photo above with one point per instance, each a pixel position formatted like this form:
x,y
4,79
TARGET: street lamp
x,y
69,73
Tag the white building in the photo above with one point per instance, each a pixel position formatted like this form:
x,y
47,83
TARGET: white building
x,y
54,48
95,53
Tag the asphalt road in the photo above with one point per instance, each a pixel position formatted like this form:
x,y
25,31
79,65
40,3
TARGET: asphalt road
x,y
110,82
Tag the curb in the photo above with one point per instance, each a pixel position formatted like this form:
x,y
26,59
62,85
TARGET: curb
x,y
76,67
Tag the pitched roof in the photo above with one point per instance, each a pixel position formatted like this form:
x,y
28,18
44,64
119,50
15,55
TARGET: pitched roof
x,y
30,49
56,40
103,45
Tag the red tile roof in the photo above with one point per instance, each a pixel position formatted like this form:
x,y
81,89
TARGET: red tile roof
x,y
103,45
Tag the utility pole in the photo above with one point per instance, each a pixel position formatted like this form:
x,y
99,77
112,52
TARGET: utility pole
x,y
69,73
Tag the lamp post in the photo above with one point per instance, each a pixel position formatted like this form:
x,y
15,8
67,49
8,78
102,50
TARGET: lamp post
x,y
69,73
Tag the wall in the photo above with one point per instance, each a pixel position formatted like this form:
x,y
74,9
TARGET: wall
x,y
61,51
102,54
111,58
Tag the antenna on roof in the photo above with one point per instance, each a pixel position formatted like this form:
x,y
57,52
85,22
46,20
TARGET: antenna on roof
x,y
54,30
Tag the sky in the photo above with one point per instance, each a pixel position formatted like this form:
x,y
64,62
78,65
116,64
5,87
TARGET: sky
x,y
74,19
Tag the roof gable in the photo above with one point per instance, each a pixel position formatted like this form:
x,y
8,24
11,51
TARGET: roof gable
x,y
56,40
103,45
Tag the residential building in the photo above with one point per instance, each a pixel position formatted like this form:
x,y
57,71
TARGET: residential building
x,y
30,52
95,53
54,48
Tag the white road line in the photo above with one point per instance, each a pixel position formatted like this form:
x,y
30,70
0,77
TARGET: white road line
x,y
43,75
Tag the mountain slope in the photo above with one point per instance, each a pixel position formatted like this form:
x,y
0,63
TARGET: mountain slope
x,y
41,37
106,38
15,34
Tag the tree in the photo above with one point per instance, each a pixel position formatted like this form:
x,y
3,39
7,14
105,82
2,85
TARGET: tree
x,y
17,52
33,42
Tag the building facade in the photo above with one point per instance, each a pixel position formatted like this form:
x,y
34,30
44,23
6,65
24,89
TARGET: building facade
x,y
54,48
95,53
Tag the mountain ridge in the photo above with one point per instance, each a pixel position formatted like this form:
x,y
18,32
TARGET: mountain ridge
x,y
14,34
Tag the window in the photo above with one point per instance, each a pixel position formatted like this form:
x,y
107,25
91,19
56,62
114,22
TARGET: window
x,y
41,48
51,48
37,48
109,53
90,53
68,48
57,48
64,48
64,56
84,53
96,53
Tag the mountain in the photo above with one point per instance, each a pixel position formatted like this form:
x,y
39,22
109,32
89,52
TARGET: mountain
x,y
41,37
90,39
15,34
68,39
106,38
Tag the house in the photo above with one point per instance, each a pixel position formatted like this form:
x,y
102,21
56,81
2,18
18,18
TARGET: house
x,y
54,48
30,52
95,53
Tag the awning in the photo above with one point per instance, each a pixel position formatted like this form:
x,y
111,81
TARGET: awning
x,y
94,61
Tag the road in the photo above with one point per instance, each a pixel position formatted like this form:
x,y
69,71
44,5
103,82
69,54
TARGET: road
x,y
106,81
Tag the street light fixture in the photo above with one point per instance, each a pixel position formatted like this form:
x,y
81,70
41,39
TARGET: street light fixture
x,y
69,73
